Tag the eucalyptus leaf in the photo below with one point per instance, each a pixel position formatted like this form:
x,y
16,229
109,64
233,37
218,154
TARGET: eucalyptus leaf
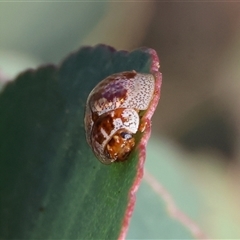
x,y
51,185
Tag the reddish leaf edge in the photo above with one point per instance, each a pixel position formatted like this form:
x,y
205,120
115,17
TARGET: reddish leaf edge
x,y
172,208
155,65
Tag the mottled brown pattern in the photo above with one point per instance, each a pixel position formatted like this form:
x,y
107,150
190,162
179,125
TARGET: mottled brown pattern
x,y
117,113
118,148
105,122
97,136
112,88
94,116
127,94
111,92
129,75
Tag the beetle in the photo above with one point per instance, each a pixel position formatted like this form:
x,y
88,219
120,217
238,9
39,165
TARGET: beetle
x,y
114,114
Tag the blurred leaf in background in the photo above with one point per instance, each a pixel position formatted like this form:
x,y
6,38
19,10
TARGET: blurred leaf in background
x,y
47,31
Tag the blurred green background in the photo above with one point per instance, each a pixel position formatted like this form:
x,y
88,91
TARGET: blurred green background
x,y
194,149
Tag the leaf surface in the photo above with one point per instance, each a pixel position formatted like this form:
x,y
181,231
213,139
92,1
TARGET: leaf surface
x,y
51,185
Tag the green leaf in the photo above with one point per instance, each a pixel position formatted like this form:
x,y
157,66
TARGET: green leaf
x,y
51,185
